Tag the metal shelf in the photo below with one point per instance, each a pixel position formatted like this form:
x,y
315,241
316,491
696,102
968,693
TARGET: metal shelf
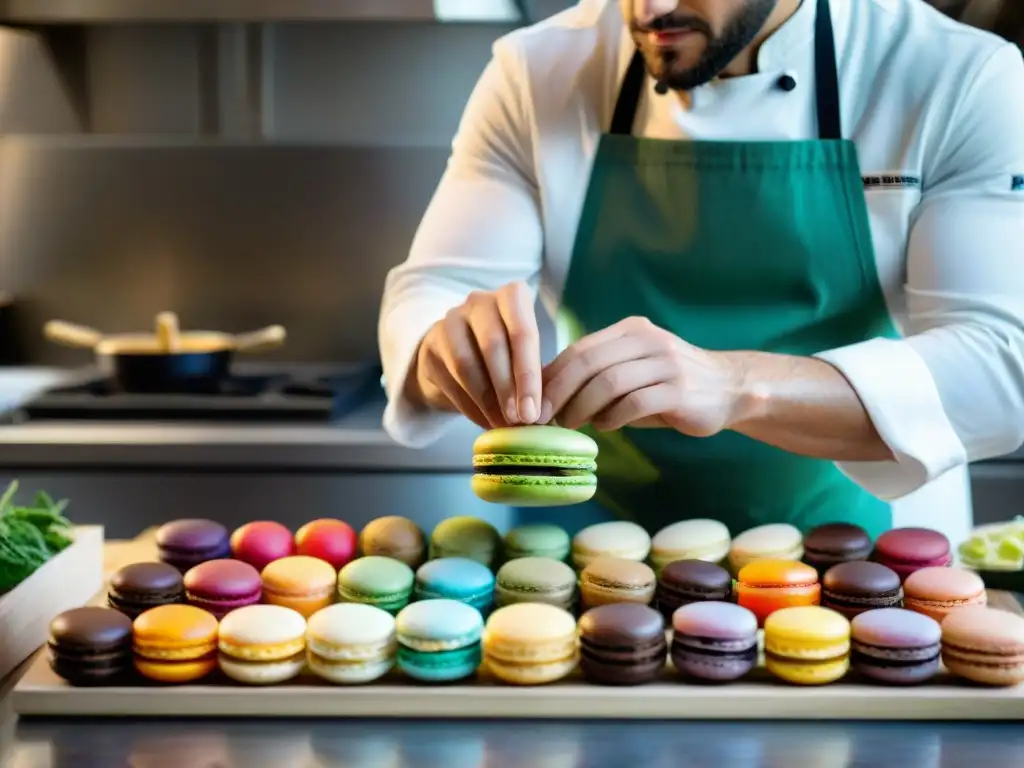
x,y
254,11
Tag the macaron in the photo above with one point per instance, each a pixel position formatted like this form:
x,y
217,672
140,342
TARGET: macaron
x,y
775,541
539,540
766,586
906,550
690,581
807,645
836,543
262,542
714,641
378,581
860,585
262,644
896,646
140,586
90,646
330,540
984,645
468,537
622,644
619,538
530,644
535,580
396,537
303,583
456,578
175,643
221,586
698,539
615,580
939,591
191,541
534,466
351,643
439,640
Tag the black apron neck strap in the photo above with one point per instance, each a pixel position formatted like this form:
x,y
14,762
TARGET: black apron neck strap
x,y
826,78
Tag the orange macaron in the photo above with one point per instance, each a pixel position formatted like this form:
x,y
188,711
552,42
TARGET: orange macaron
x,y
766,586
175,643
300,582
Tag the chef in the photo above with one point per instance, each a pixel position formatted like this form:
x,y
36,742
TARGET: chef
x,y
784,241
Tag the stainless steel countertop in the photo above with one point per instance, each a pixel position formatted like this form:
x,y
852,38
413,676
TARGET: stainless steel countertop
x,y
504,744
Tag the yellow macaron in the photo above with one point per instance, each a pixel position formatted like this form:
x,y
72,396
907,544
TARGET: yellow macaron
x,y
530,644
807,645
175,643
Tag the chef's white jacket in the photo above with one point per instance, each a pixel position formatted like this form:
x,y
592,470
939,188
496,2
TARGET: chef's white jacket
x,y
936,110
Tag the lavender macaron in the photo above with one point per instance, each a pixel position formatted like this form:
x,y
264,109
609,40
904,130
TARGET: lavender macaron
x,y
714,641
187,543
896,646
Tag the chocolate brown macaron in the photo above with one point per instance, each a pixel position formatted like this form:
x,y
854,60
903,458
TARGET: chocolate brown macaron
x,y
622,644
396,537
690,581
835,543
91,646
138,587
852,588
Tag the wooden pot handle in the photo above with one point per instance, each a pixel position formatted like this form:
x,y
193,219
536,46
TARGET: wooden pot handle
x,y
265,338
72,335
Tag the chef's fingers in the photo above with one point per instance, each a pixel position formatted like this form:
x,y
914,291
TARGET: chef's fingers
x,y
611,385
585,363
439,375
584,345
488,329
515,303
638,405
462,359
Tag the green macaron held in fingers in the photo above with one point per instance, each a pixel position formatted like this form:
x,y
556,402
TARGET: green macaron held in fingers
x,y
535,466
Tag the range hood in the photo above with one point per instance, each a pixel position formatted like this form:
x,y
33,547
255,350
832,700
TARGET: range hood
x,y
215,11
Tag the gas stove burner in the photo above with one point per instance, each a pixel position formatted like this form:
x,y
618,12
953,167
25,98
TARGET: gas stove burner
x,y
288,395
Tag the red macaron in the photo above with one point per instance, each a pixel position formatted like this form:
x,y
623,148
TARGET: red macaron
x,y
221,586
261,543
333,541
906,550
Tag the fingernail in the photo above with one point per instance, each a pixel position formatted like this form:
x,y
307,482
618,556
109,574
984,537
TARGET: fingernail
x,y
528,410
545,412
511,411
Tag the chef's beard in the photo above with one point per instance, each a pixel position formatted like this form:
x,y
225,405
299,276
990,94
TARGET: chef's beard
x,y
718,53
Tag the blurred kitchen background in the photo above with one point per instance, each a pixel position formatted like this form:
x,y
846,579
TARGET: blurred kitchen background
x,y
243,163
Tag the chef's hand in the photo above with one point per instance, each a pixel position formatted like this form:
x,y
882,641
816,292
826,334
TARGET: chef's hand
x,y
637,374
483,359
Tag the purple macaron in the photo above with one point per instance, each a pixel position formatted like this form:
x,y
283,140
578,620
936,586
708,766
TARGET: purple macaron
x,y
897,646
187,543
714,641
221,586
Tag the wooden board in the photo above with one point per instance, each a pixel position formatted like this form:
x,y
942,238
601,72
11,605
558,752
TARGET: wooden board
x,y
68,580
42,693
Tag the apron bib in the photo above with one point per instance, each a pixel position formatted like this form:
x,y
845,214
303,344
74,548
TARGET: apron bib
x,y
730,246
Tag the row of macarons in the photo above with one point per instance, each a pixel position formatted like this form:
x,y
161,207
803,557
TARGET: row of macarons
x,y
443,641
189,542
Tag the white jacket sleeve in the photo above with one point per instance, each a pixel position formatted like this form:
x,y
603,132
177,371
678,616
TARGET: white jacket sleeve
x,y
953,390
481,231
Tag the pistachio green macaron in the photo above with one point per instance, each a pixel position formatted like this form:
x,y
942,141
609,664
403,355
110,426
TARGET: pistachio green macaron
x,y
534,466
379,581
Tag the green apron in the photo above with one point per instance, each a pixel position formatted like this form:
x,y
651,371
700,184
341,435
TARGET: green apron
x,y
730,246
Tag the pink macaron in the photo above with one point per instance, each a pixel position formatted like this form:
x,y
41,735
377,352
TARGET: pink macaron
x,y
937,592
906,550
262,542
221,586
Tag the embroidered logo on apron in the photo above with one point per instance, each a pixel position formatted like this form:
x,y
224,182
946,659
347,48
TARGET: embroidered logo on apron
x,y
891,180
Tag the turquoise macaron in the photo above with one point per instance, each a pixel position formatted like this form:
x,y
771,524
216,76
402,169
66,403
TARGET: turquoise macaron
x,y
439,640
539,540
456,578
378,581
